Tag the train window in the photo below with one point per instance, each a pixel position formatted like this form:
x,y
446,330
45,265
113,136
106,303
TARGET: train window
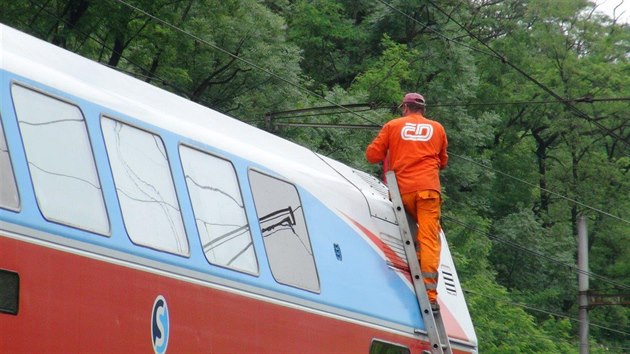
x,y
379,347
9,291
284,231
60,160
8,192
219,211
145,187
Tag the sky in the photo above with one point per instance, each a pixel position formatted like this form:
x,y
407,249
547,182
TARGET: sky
x,y
607,7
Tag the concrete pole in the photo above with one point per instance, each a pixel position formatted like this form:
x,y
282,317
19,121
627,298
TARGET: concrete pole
x,y
583,283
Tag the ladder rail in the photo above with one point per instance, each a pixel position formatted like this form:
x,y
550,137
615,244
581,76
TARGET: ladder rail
x,y
432,320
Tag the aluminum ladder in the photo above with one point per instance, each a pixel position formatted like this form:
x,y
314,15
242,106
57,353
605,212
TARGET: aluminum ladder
x,y
432,320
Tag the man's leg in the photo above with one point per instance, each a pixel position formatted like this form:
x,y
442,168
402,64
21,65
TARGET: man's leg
x,y
425,207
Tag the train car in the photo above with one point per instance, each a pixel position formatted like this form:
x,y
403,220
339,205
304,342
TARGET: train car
x,y
133,220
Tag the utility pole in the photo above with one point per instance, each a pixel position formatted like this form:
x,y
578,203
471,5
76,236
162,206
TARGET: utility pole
x,y
583,283
586,299
269,122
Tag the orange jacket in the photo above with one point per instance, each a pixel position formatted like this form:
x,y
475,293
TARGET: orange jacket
x,y
417,151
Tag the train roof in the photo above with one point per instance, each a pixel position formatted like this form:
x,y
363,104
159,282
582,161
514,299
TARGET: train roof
x,y
40,61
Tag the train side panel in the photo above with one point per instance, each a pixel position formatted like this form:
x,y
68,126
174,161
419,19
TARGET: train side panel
x,y
73,302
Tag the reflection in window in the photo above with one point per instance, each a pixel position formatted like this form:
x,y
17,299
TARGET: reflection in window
x,y
145,187
284,231
8,192
219,211
60,161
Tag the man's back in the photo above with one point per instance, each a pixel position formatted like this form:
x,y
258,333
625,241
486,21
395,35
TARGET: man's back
x,y
417,151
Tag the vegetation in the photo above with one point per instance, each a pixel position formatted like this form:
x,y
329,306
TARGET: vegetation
x,y
534,95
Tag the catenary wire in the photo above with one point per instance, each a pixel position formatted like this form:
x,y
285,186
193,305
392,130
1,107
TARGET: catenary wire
x,y
541,188
282,115
224,51
155,77
438,33
354,126
504,60
558,99
536,253
546,89
543,311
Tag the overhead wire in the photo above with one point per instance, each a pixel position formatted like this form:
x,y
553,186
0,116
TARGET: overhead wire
x,y
575,100
329,125
333,103
324,114
586,99
551,259
544,311
542,188
234,56
438,33
153,76
559,99
283,114
546,89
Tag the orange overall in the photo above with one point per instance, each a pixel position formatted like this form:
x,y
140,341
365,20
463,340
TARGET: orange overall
x,y
416,150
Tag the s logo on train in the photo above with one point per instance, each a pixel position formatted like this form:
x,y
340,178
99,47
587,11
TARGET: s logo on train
x,y
159,325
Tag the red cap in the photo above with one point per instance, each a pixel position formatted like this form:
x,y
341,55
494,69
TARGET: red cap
x,y
414,98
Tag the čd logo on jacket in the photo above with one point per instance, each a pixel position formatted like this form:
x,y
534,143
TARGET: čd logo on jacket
x,y
416,132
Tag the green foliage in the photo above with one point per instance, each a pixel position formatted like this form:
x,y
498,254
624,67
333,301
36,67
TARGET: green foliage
x,y
515,332
383,80
329,38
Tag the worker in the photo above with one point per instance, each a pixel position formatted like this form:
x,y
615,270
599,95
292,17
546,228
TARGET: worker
x,y
414,147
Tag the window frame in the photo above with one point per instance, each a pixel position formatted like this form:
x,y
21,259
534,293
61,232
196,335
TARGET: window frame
x,y
171,174
308,234
90,144
3,136
241,194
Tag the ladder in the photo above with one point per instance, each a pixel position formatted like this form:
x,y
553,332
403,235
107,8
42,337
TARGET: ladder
x,y
432,320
